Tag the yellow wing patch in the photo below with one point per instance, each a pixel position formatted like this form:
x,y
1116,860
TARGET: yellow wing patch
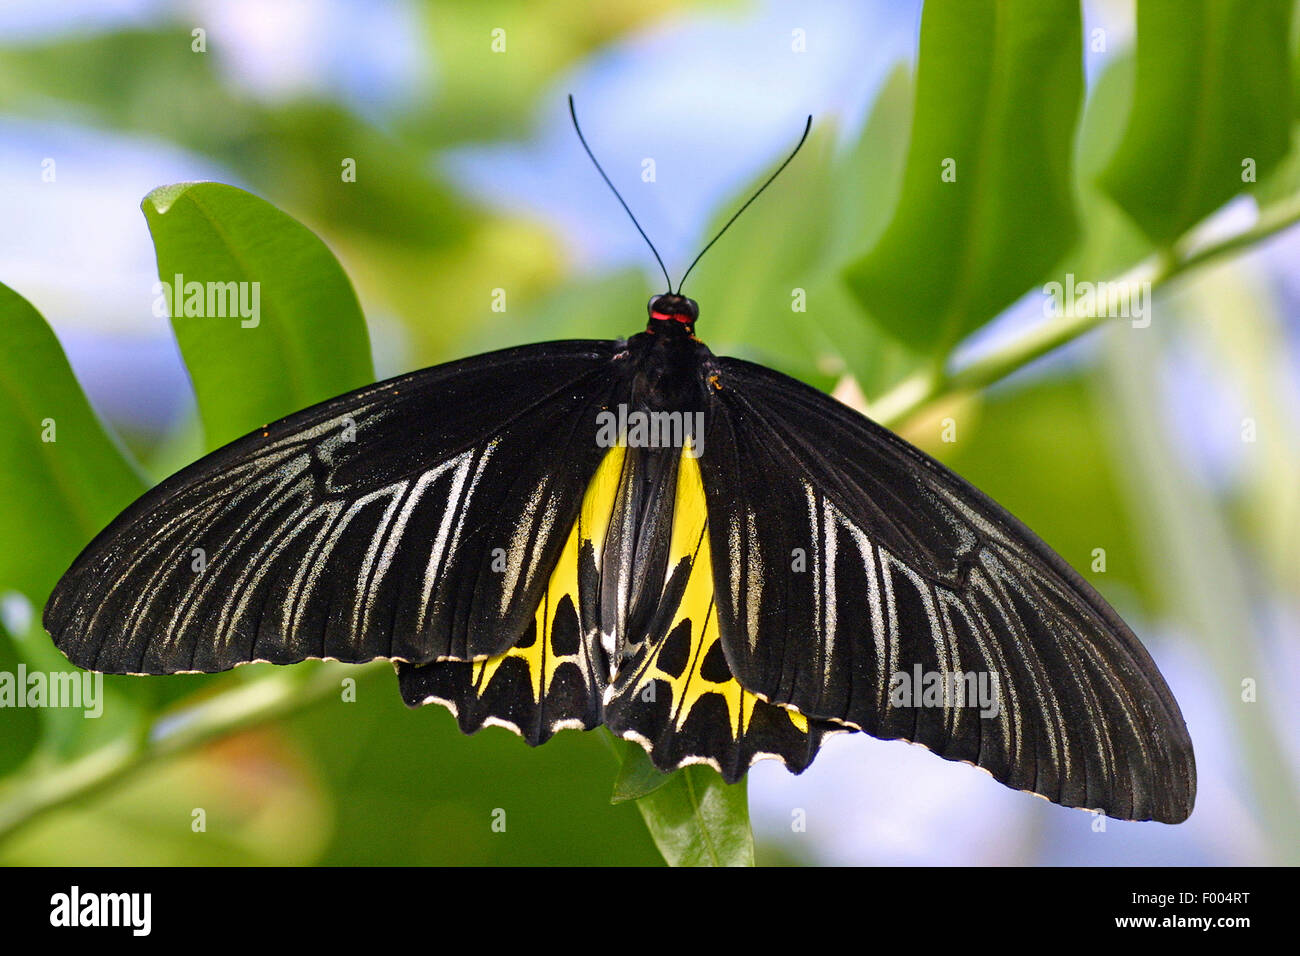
x,y
674,693
590,527
705,671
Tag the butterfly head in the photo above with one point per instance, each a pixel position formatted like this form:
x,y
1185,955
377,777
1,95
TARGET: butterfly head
x,y
672,313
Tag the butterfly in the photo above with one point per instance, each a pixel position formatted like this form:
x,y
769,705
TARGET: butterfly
x,y
704,555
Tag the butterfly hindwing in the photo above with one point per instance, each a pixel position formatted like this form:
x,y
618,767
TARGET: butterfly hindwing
x,y
852,558
555,675
673,692
409,519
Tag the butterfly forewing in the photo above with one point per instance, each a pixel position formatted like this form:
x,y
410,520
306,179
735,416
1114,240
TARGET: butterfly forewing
x,y
555,675
852,558
413,519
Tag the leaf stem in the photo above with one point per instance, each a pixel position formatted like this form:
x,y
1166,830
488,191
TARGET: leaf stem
x,y
928,384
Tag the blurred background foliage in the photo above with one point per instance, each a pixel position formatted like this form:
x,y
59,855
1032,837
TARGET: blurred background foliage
x,y
1087,139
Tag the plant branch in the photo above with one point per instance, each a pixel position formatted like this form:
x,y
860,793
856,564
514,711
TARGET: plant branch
x,y
928,384
41,788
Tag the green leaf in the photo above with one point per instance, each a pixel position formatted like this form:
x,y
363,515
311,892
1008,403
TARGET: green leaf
x,y
151,81
696,819
749,285
867,179
1110,242
999,85
62,477
1213,92
637,777
869,174
1295,59
298,337
493,799
1283,180
774,295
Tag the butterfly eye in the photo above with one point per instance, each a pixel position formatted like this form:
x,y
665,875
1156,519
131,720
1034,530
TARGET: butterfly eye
x,y
650,306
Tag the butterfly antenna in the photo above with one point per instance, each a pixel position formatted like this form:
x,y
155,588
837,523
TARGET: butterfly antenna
x,y
798,146
582,139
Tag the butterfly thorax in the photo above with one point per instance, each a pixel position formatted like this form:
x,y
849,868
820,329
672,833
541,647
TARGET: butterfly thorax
x,y
669,365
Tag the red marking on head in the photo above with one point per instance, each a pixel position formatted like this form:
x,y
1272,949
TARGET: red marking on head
x,y
681,317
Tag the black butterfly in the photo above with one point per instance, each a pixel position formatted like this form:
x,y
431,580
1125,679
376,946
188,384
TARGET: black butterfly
x,y
706,556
